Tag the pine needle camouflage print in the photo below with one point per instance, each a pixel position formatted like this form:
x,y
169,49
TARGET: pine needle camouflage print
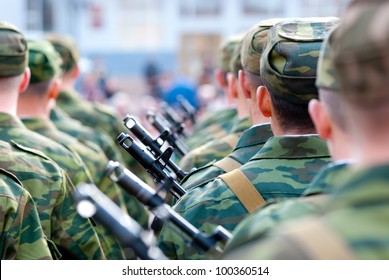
x,y
274,213
250,142
50,188
283,168
355,217
13,51
361,62
215,149
283,75
87,135
219,126
21,233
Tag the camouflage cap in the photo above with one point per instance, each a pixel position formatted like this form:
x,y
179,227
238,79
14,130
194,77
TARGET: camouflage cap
x,y
235,62
326,77
13,51
67,48
226,49
44,61
289,61
361,53
253,43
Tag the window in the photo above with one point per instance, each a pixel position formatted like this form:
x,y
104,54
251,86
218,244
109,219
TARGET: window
x,y
200,8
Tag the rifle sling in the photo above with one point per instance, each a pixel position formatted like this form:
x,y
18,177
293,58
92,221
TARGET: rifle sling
x,y
227,164
243,189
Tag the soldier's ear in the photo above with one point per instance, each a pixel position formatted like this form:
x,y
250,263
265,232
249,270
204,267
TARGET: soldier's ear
x,y
25,80
232,85
54,89
320,118
221,79
243,83
264,101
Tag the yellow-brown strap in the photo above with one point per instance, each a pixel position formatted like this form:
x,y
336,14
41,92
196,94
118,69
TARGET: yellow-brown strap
x,y
227,164
231,140
243,189
319,241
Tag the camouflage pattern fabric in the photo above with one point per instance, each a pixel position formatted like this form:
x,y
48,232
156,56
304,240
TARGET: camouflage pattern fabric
x,y
326,76
11,128
21,233
216,149
250,142
219,127
354,217
97,164
13,51
44,61
50,188
67,48
285,76
283,168
87,135
274,213
235,62
253,43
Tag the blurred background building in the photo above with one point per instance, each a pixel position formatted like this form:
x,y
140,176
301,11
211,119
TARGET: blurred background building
x,y
121,38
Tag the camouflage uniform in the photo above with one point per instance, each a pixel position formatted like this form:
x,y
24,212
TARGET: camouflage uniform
x,y
74,128
21,233
61,224
285,165
282,168
353,224
350,226
313,198
268,217
47,183
216,149
94,115
248,145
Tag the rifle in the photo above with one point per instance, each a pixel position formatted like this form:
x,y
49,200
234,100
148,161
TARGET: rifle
x,y
189,110
92,202
146,195
153,145
160,124
153,166
177,124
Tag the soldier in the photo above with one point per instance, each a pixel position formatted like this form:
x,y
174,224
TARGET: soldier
x,y
252,140
288,161
34,103
60,220
221,147
217,123
97,116
21,230
352,224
